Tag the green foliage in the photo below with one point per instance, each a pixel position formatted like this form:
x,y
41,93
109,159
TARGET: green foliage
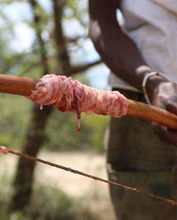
x,y
14,117
63,135
98,125
78,10
15,111
52,204
47,203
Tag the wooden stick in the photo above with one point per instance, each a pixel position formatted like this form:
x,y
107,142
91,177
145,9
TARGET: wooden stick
x,y
152,113
4,150
17,85
23,86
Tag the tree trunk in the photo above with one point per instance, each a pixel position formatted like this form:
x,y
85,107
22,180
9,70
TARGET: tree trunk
x,y
35,134
25,169
62,54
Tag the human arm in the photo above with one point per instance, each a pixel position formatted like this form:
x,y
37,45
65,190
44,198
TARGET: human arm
x,y
124,59
117,50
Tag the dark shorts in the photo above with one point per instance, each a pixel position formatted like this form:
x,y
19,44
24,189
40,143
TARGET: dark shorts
x,y
136,157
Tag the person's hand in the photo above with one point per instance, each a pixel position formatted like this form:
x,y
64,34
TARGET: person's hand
x,y
163,94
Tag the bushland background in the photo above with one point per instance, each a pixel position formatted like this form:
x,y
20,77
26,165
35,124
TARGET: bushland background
x,y
39,37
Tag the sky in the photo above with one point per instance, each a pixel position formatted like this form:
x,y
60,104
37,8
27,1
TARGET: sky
x,y
24,36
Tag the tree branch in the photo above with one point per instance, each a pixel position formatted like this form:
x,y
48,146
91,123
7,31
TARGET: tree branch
x,y
37,20
82,68
75,39
62,53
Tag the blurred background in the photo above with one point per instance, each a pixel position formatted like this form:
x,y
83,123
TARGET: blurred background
x,y
39,37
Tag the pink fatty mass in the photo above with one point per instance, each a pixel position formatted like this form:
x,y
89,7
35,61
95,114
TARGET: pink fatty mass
x,y
69,95
4,150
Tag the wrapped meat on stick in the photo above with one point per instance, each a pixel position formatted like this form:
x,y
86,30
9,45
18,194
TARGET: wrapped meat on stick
x,y
70,95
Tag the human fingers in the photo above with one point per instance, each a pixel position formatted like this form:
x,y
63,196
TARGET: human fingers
x,y
171,105
165,134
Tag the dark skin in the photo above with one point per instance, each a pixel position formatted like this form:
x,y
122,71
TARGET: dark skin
x,y
124,59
